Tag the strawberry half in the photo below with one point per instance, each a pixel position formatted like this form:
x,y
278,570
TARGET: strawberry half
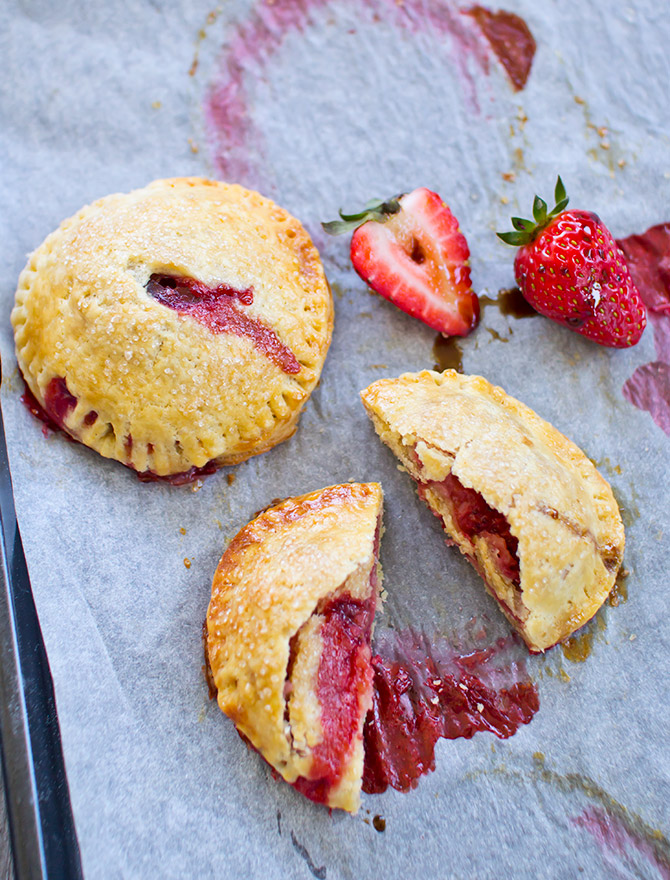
x,y
571,270
410,250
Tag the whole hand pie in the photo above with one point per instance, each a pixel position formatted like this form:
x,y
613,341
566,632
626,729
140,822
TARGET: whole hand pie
x,y
288,636
176,327
521,501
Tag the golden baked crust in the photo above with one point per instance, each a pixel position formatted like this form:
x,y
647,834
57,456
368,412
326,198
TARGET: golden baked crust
x,y
138,369
559,508
270,596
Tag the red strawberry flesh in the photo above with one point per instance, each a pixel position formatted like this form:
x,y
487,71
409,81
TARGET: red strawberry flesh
x,y
417,259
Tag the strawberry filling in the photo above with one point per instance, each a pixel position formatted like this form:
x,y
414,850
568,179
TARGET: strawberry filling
x,y
58,402
343,682
423,691
474,518
219,309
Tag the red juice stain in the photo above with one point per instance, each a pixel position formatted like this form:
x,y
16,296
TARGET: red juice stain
x,y
617,836
216,308
236,142
183,478
343,681
425,690
648,258
510,39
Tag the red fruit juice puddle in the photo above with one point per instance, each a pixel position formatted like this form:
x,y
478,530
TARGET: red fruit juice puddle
x,y
253,42
620,842
424,690
648,258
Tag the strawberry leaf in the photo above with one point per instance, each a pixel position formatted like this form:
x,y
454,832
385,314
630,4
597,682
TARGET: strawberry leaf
x,y
337,227
560,194
527,230
539,210
514,238
377,210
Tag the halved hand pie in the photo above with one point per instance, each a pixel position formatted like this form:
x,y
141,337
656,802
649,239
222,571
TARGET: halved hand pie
x,y
288,636
178,326
521,501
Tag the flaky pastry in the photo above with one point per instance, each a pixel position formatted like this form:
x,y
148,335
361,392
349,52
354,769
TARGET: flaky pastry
x,y
521,501
175,326
288,636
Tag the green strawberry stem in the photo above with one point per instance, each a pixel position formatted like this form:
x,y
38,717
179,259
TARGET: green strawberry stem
x,y
376,210
527,230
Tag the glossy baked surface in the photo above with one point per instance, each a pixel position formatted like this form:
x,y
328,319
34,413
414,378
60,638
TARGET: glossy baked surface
x,y
289,621
179,324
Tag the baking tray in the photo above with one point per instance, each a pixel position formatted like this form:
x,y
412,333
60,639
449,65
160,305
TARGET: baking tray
x,y
43,836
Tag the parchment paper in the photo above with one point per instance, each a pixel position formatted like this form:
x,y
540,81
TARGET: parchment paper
x,y
97,98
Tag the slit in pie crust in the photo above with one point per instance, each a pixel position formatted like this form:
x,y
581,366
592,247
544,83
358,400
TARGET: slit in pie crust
x,y
180,326
288,636
520,500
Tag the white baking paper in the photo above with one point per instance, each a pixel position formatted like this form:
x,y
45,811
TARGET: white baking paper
x,y
357,100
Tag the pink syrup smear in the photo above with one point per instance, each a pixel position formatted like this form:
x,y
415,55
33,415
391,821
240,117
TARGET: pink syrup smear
x,y
60,403
216,308
648,258
255,40
424,690
618,838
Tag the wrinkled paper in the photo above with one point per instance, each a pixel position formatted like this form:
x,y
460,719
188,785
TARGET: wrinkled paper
x,y
354,102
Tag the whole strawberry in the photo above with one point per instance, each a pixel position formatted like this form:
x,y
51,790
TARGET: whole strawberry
x,y
410,250
571,270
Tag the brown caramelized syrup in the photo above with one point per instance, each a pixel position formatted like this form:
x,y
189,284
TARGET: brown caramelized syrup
x,y
510,303
379,823
619,592
447,353
578,648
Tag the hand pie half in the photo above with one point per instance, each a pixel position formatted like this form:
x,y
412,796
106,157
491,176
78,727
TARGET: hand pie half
x,y
521,501
288,636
